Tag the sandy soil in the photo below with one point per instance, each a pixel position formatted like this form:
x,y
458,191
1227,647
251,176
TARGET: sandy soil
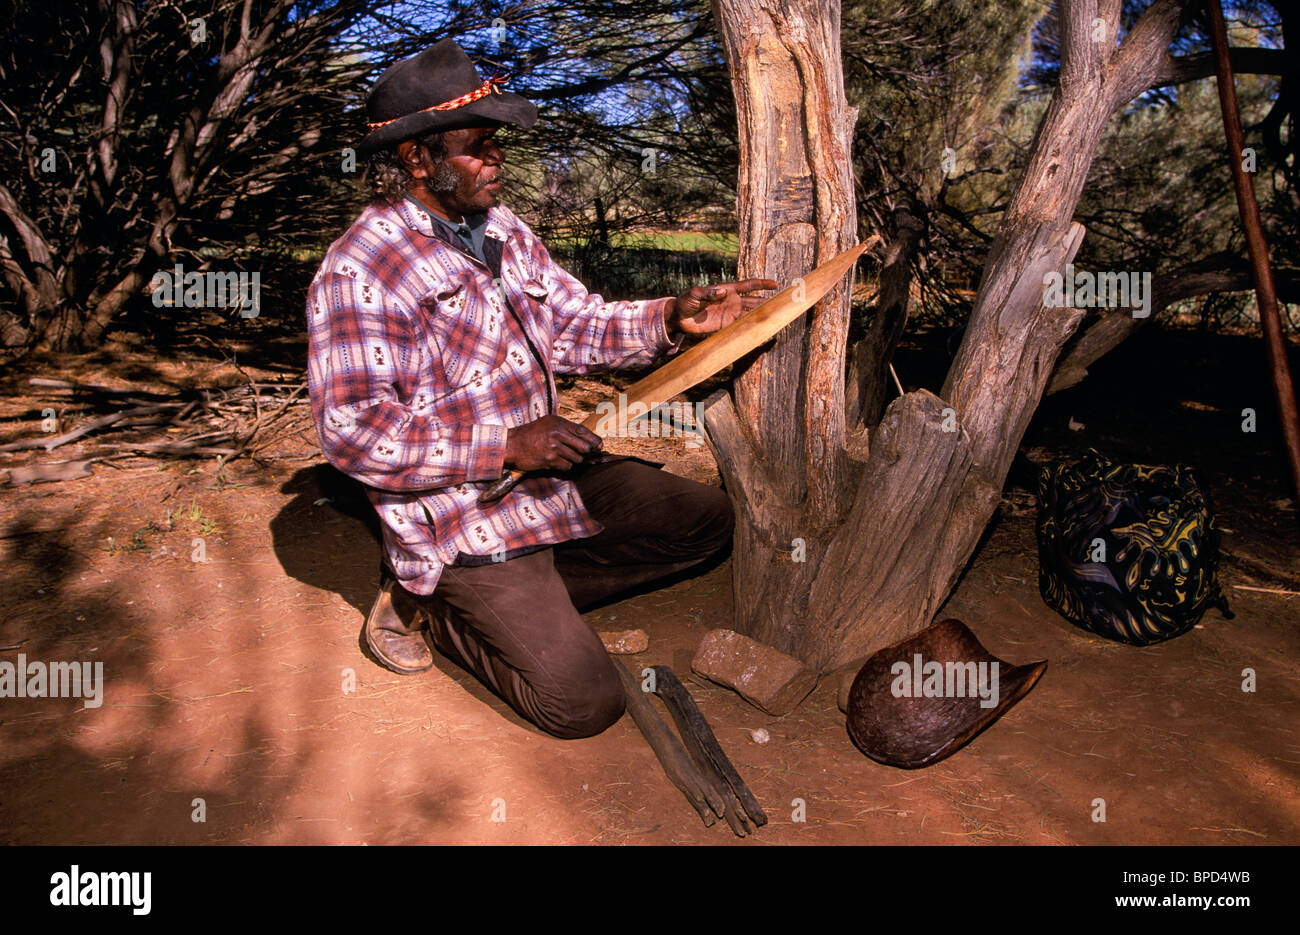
x,y
230,681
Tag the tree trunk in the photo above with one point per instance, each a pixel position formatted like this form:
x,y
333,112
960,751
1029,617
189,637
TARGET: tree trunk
x,y
850,537
796,209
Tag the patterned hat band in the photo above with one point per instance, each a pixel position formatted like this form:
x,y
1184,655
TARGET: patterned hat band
x,y
491,86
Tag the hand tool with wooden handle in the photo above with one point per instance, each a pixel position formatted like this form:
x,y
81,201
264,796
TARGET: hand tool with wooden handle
x,y
721,349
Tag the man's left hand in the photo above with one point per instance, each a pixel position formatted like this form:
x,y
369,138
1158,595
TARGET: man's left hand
x,y
705,309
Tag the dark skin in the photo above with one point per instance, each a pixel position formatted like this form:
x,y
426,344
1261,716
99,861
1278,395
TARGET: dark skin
x,y
468,181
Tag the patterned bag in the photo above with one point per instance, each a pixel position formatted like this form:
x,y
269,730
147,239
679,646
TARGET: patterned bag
x,y
1127,551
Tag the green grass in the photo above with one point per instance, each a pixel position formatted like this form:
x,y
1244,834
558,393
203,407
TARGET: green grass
x,y
723,244
693,241
637,264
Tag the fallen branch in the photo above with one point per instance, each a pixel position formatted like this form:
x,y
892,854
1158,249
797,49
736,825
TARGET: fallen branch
x,y
164,448
45,473
196,423
742,807
258,424
49,444
677,764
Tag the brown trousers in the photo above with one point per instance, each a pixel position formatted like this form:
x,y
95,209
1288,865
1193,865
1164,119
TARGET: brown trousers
x,y
516,624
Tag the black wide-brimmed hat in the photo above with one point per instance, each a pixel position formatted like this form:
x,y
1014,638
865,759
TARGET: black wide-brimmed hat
x,y
439,89
895,724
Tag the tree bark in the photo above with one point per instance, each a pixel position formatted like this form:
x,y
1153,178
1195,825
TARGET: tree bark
x,y
788,461
850,536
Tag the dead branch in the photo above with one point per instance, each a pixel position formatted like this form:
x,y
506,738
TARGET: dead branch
x,y
191,423
50,444
677,764
743,812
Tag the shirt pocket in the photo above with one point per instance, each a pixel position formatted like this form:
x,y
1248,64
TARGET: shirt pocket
x,y
466,328
533,299
535,295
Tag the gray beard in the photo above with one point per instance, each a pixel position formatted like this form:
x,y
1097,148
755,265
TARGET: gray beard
x,y
442,181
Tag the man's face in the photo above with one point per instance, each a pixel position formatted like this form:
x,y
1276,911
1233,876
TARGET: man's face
x,y
467,180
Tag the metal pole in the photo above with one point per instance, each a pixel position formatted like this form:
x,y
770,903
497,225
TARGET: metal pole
x,y
1265,293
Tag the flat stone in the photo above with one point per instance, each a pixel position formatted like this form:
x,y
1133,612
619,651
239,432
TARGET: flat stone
x,y
765,677
625,642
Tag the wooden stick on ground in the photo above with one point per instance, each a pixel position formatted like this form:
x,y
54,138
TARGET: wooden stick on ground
x,y
1243,587
677,763
210,422
704,747
49,444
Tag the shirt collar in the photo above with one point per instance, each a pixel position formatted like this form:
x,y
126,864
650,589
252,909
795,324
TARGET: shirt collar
x,y
472,223
419,218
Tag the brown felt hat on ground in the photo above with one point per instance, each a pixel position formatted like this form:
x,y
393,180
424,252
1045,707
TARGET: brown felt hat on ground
x,y
896,716
439,89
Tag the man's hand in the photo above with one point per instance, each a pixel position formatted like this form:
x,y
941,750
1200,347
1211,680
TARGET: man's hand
x,y
710,308
550,443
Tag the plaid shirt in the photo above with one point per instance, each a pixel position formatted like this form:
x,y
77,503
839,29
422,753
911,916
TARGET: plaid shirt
x,y
419,360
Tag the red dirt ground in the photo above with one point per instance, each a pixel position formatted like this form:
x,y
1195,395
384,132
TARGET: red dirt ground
x,y
225,682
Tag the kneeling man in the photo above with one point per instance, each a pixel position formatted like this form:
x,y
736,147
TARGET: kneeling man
x,y
436,325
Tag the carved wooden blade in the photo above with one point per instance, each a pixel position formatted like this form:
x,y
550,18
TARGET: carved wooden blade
x,y
742,336
723,348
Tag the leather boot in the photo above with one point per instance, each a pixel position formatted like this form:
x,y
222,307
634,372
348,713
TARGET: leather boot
x,y
395,630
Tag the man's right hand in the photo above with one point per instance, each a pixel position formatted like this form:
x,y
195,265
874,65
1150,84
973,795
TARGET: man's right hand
x,y
550,443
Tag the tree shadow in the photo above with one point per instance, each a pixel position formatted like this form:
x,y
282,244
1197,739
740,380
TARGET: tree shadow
x,y
123,771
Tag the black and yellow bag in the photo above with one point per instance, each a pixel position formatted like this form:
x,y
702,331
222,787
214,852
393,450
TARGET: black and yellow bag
x,y
1126,551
